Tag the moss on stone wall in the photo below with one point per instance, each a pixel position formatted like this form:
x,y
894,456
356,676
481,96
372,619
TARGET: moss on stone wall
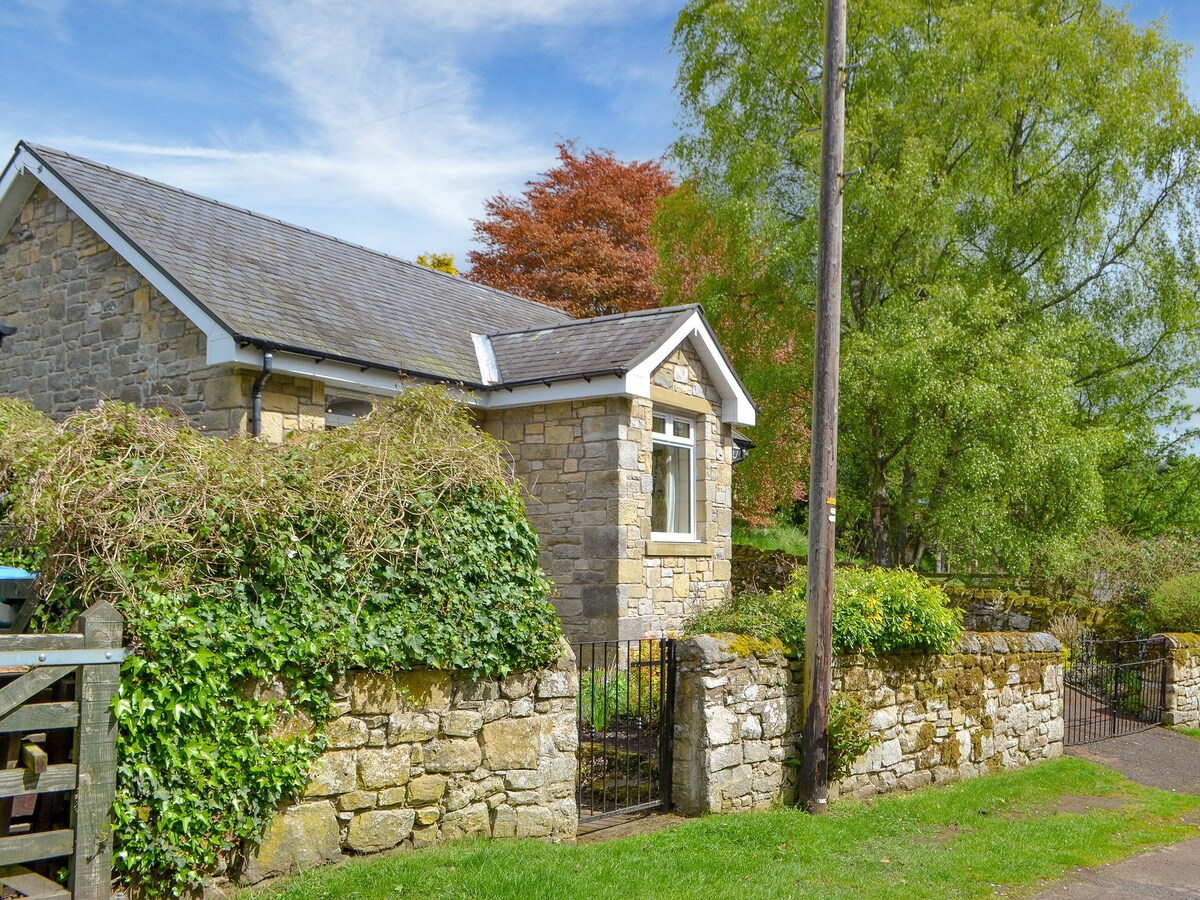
x,y
1013,611
950,754
745,645
1184,639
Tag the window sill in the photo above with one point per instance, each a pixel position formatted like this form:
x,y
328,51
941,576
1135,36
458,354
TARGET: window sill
x,y
678,548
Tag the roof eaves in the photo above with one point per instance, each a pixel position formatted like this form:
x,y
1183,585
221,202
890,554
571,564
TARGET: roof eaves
x,y
612,371
363,364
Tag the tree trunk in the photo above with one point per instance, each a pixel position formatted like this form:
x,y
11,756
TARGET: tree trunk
x,y
880,522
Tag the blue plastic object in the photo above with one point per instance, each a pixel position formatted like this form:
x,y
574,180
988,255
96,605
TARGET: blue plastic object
x,y
16,586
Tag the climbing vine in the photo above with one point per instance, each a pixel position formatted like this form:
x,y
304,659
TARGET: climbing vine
x,y
250,575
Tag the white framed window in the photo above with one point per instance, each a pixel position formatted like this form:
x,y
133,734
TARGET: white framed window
x,y
673,467
342,411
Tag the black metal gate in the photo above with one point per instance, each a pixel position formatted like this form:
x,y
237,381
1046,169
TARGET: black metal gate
x,y
626,704
1113,688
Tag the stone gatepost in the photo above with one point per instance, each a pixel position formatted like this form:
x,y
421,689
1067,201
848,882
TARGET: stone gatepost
x,y
736,719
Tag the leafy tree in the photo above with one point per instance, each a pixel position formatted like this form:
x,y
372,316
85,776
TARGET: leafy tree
x,y
710,255
1020,247
441,262
578,238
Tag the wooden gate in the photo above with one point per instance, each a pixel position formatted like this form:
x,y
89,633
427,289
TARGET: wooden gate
x,y
58,770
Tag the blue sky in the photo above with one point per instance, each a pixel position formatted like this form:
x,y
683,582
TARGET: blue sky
x,y
388,127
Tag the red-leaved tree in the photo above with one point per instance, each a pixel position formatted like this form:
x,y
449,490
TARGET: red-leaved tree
x,y
578,237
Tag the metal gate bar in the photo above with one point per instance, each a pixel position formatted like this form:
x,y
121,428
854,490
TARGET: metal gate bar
x,y
1113,688
626,709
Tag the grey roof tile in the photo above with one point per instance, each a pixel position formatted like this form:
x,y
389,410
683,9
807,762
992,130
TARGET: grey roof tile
x,y
583,347
284,285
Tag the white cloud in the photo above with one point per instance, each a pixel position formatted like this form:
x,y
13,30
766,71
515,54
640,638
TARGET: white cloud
x,y
375,123
384,109
49,15
474,15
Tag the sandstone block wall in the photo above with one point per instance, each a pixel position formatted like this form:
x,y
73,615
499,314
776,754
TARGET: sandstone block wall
x,y
90,328
996,704
586,469
418,758
568,456
1183,681
681,580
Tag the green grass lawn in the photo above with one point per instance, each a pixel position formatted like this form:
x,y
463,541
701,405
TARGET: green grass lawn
x,y
1190,732
1008,831
787,538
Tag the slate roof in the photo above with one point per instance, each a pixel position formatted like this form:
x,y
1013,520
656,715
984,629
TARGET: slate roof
x,y
282,287
268,282
604,345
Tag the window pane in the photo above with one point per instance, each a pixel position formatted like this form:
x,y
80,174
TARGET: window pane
x,y
660,425
683,429
671,499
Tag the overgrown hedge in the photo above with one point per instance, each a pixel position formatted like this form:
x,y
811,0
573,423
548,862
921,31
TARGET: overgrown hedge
x,y
874,611
249,571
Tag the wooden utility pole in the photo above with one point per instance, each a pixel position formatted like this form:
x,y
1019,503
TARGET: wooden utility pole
x,y
822,483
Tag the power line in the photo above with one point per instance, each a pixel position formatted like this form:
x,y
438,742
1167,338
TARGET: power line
x,y
405,112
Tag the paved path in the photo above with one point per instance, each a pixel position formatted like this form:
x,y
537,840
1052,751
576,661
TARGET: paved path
x,y
1158,758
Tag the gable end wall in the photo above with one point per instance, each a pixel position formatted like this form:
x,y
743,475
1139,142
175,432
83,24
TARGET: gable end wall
x,y
91,328
585,466
679,586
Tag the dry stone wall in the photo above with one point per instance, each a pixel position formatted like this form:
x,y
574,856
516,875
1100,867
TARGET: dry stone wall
x,y
419,758
737,717
995,704
1183,681
986,609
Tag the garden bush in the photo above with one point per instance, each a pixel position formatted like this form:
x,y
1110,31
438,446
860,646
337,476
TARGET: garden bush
x,y
1116,570
1175,606
874,611
250,575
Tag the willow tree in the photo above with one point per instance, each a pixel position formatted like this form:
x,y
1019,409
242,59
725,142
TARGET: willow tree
x,y
1020,246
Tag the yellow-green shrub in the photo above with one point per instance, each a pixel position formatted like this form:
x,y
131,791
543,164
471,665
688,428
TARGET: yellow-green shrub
x,y
874,611
1175,605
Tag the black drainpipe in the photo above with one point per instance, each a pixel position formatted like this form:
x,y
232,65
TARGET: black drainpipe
x,y
256,396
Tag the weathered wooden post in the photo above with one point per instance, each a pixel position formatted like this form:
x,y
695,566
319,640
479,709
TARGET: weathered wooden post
x,y
822,483
95,755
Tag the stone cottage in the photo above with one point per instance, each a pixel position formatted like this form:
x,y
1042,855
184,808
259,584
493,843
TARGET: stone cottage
x,y
620,427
